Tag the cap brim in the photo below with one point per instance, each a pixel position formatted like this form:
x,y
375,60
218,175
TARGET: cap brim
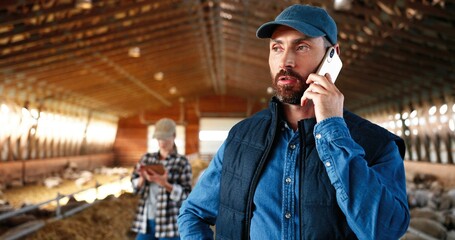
x,y
267,29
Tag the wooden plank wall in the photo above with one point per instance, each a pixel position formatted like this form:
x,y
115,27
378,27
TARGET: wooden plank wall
x,y
131,140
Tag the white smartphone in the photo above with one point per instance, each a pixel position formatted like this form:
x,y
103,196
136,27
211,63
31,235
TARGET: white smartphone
x,y
331,64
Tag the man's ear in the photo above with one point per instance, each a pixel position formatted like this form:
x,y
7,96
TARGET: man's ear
x,y
337,48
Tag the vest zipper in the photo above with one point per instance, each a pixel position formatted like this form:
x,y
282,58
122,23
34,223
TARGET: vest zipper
x,y
255,179
301,127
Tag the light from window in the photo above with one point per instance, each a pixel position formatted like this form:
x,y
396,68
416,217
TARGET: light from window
x,y
212,135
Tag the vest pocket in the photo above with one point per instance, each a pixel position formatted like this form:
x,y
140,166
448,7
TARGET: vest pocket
x,y
230,223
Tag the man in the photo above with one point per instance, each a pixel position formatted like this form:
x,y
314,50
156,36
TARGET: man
x,y
304,168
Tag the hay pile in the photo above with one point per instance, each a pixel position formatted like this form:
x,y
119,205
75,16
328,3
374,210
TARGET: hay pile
x,y
110,219
198,166
117,211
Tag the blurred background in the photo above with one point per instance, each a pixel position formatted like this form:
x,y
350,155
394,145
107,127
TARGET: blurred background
x,y
82,83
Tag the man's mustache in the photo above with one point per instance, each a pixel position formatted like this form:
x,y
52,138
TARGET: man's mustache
x,y
288,72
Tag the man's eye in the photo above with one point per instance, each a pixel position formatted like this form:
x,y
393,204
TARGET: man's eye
x,y
303,48
275,49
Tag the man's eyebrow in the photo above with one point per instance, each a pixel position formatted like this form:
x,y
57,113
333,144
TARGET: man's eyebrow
x,y
298,40
275,40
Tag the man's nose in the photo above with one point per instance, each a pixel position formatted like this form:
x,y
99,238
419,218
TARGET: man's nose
x,y
288,60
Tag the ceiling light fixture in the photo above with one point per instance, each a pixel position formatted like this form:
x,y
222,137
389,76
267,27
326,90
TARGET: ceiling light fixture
x,y
134,52
342,5
84,4
159,76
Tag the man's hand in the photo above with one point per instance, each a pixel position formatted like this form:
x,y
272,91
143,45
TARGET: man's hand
x,y
327,99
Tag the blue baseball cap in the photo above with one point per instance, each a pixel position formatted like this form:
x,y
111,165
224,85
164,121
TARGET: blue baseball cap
x,y
309,20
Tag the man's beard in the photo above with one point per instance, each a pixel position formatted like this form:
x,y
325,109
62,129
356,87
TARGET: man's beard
x,y
290,94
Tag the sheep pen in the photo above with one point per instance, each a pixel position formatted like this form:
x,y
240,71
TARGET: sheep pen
x,y
431,200
107,218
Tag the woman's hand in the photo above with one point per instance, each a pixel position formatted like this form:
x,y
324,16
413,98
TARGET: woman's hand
x,y
160,179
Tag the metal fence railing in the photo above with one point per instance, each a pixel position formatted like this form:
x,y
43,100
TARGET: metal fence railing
x,y
32,226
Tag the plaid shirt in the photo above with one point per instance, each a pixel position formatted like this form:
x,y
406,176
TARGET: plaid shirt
x,y
168,204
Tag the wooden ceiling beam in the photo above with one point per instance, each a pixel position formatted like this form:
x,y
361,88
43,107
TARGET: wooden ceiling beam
x,y
68,67
120,45
119,35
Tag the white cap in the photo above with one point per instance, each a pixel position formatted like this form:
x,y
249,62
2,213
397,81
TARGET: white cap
x,y
164,128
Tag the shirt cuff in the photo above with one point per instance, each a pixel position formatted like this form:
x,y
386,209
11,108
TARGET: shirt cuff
x,y
135,182
176,193
327,132
331,128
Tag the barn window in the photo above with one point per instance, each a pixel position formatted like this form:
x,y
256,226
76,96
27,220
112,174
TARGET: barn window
x,y
212,133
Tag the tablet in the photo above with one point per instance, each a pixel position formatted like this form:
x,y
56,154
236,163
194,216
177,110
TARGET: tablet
x,y
157,168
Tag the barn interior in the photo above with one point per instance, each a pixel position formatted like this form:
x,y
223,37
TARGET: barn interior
x,y
81,81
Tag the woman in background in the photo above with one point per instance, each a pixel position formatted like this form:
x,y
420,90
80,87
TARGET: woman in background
x,y
161,193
